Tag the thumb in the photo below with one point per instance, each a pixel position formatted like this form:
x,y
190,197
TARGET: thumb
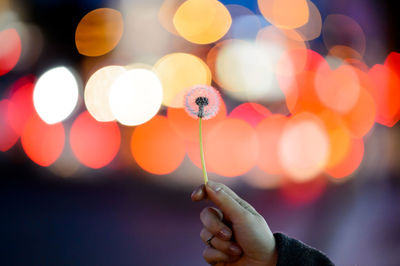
x,y
233,207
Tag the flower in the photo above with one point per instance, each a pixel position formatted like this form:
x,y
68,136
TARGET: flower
x,y
202,101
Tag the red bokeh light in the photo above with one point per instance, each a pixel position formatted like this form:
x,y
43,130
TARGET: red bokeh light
x,y
386,93
21,103
250,112
42,143
8,137
10,50
95,144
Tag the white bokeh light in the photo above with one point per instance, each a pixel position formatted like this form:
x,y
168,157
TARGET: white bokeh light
x,y
97,92
55,95
135,97
246,70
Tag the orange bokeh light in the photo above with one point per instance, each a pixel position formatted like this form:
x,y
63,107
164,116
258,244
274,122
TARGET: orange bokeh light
x,y
250,112
187,127
8,136
269,132
351,162
95,144
99,32
156,147
338,89
339,137
10,50
386,93
42,143
231,148
287,14
361,118
301,95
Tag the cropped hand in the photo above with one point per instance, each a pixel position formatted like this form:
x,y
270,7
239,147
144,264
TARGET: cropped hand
x,y
235,234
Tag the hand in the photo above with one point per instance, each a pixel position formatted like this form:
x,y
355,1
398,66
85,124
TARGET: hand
x,y
239,234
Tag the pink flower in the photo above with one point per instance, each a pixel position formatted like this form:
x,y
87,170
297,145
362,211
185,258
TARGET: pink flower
x,y
202,101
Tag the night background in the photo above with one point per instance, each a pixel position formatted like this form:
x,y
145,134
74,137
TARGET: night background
x,y
121,214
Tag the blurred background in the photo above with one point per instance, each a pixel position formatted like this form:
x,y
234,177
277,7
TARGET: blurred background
x,y
99,157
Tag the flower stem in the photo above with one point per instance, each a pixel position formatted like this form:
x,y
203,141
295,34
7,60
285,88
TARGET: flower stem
x,y
203,163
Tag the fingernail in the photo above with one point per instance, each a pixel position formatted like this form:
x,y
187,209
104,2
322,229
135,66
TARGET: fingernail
x,y
225,233
195,192
235,250
214,186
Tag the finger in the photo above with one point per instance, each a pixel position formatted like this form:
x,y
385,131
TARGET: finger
x,y
211,219
199,193
214,256
231,204
227,247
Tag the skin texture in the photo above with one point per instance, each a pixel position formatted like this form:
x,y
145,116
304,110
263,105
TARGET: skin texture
x,y
239,234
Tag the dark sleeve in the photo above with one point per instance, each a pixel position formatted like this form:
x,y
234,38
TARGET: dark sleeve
x,y
296,253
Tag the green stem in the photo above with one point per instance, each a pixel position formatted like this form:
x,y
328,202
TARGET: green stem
x,y
203,163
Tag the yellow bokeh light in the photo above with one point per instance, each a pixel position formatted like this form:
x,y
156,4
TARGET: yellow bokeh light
x,y
286,14
97,92
179,71
99,32
202,21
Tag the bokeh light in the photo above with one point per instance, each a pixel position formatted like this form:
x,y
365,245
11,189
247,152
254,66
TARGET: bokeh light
x,y
339,137
351,162
386,93
286,14
304,147
97,91
250,112
179,71
300,194
135,96
246,70
99,32
231,148
339,29
361,118
8,136
312,29
32,42
55,95
202,21
21,103
338,89
10,50
95,144
245,24
156,147
42,143
166,14
269,132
